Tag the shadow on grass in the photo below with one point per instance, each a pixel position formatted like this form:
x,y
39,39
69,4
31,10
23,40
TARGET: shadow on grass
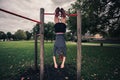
x,y
68,73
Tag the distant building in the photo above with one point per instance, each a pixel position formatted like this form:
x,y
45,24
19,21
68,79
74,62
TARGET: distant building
x,y
89,36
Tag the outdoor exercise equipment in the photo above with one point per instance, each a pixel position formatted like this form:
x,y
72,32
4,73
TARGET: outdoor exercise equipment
x,y
54,14
19,15
41,23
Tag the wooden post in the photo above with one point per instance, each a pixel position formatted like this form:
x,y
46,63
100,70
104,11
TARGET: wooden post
x,y
42,44
35,48
78,45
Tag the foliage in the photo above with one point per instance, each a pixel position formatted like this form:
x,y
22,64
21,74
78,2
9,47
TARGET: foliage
x,y
3,35
20,35
9,35
36,29
28,34
99,16
72,25
49,31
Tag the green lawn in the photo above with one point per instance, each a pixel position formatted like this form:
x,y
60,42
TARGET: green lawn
x,y
98,63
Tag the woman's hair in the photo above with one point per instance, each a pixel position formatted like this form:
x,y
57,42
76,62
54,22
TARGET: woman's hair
x,y
63,14
57,10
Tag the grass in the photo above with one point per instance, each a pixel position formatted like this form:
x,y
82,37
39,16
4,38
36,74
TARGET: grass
x,y
101,63
14,57
98,63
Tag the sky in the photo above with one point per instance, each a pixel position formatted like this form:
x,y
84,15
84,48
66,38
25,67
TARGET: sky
x,y
30,9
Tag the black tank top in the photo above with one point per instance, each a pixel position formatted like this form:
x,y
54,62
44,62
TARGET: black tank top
x,y
60,27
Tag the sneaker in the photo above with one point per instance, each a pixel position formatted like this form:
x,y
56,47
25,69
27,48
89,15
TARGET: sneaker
x,y
57,10
63,14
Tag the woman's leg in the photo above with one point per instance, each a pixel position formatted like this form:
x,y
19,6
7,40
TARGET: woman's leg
x,y
55,63
56,19
63,62
63,20
63,15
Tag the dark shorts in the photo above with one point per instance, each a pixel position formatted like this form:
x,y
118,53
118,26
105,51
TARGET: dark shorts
x,y
59,45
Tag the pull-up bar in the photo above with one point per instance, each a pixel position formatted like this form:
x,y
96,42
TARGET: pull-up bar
x,y
42,39
20,16
54,14
30,18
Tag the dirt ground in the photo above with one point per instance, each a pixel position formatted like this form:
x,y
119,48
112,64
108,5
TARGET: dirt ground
x,y
50,73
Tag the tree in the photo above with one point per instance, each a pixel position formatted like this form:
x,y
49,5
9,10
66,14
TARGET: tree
x,y
9,35
3,35
69,36
28,34
72,24
36,29
13,37
113,15
20,35
99,16
49,31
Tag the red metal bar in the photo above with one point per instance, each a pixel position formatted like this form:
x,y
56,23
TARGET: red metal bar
x,y
72,14
20,16
54,14
49,13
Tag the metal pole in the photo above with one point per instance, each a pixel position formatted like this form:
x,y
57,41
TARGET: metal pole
x,y
54,14
19,15
42,44
78,45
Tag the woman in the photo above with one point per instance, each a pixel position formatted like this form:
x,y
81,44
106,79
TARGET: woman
x,y
60,29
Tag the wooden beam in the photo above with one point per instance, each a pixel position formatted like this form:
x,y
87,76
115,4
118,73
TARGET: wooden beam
x,y
42,44
36,52
78,45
